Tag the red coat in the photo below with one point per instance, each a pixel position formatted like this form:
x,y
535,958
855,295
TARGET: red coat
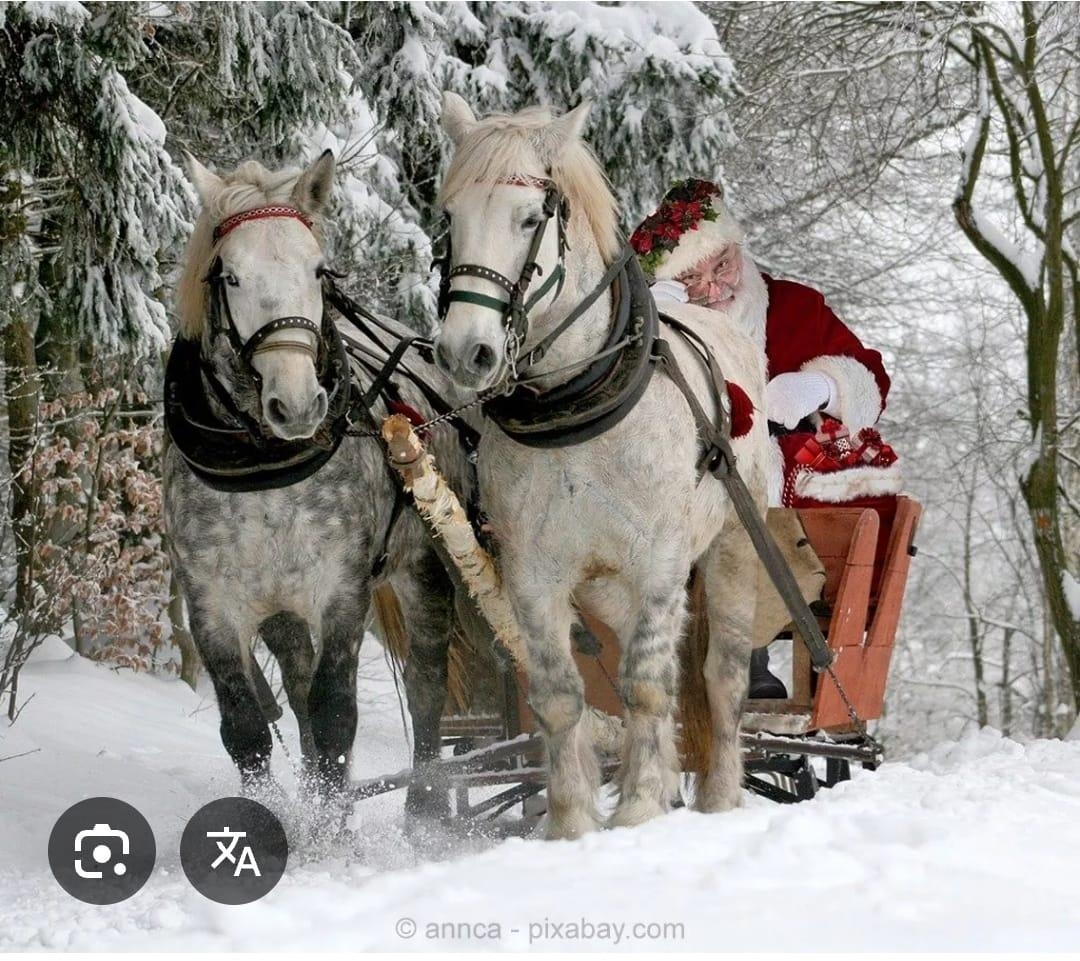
x,y
803,333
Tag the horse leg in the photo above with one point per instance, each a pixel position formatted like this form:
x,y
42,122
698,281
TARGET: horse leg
x,y
332,701
648,775
244,730
730,584
426,595
557,698
288,638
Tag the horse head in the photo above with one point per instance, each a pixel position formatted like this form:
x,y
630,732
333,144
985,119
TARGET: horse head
x,y
252,290
521,192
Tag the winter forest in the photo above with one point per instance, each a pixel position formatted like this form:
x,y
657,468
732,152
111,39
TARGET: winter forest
x,y
918,163
896,163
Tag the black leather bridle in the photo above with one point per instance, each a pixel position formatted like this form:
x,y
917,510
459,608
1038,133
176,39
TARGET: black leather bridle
x,y
220,313
514,310
227,446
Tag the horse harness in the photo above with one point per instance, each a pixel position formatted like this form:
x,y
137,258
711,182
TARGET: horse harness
x,y
613,381
227,448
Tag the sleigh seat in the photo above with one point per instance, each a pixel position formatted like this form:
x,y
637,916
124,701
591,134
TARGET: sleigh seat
x,y
863,602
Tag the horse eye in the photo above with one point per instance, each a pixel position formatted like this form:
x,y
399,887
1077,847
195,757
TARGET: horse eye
x,y
231,279
530,223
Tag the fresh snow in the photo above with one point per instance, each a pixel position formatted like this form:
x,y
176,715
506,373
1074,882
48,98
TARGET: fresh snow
x,y
1027,262
1072,594
971,845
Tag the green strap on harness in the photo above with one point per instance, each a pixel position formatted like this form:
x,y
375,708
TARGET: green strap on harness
x,y
556,278
481,300
502,306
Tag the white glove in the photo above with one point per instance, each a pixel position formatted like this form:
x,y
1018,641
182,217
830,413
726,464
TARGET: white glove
x,y
791,397
670,290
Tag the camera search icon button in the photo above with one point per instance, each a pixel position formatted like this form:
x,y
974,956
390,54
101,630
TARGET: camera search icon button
x,y
102,850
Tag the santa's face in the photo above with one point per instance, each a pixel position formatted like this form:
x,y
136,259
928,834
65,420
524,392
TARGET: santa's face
x,y
714,282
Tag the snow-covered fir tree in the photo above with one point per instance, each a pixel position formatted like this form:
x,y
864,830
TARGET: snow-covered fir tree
x,y
236,81
96,196
656,74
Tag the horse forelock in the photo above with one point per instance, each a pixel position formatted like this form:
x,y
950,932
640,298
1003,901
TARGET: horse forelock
x,y
507,145
250,185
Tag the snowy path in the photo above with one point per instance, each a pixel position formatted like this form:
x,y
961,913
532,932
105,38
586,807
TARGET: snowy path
x,y
971,846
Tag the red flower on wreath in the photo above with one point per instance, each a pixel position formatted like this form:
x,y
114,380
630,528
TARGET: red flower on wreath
x,y
684,206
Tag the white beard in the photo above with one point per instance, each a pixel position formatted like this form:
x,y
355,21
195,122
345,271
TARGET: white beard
x,y
750,304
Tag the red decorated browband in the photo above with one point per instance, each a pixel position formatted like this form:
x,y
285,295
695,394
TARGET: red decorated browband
x,y
523,180
259,213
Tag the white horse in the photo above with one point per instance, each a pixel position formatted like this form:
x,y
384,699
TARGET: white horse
x,y
614,524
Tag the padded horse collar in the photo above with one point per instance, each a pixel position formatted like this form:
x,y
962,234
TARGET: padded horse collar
x,y
600,396
225,446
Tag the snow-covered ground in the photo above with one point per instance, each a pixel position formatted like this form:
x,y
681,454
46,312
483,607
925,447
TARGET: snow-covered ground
x,y
972,845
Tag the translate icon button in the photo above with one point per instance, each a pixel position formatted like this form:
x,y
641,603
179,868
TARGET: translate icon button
x,y
247,856
234,851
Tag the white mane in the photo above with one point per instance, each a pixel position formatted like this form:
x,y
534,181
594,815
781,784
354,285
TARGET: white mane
x,y
505,145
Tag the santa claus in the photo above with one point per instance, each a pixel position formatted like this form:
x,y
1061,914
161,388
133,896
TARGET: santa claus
x,y
825,389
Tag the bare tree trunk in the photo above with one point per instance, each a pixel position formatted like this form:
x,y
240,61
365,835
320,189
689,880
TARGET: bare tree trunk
x,y
1028,124
22,389
1006,683
974,624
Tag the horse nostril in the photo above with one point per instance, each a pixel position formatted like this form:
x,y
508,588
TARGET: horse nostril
x,y
483,359
319,407
276,411
442,359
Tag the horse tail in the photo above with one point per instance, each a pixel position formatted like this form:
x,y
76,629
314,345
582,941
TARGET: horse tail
x,y
391,622
697,728
395,637
458,658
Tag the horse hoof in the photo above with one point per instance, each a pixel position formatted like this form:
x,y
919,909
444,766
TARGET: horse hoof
x,y
630,814
718,801
572,827
265,789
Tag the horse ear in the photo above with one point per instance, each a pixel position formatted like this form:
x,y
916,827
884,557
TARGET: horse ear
x,y
312,190
457,116
207,183
563,131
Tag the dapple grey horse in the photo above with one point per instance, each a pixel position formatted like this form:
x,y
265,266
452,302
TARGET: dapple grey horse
x,y
300,561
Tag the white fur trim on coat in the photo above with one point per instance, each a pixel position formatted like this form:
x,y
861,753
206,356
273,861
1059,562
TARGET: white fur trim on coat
x,y
859,404
710,237
776,473
842,486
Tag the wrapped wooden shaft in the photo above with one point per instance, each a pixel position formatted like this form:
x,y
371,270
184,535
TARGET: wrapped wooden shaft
x,y
440,507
